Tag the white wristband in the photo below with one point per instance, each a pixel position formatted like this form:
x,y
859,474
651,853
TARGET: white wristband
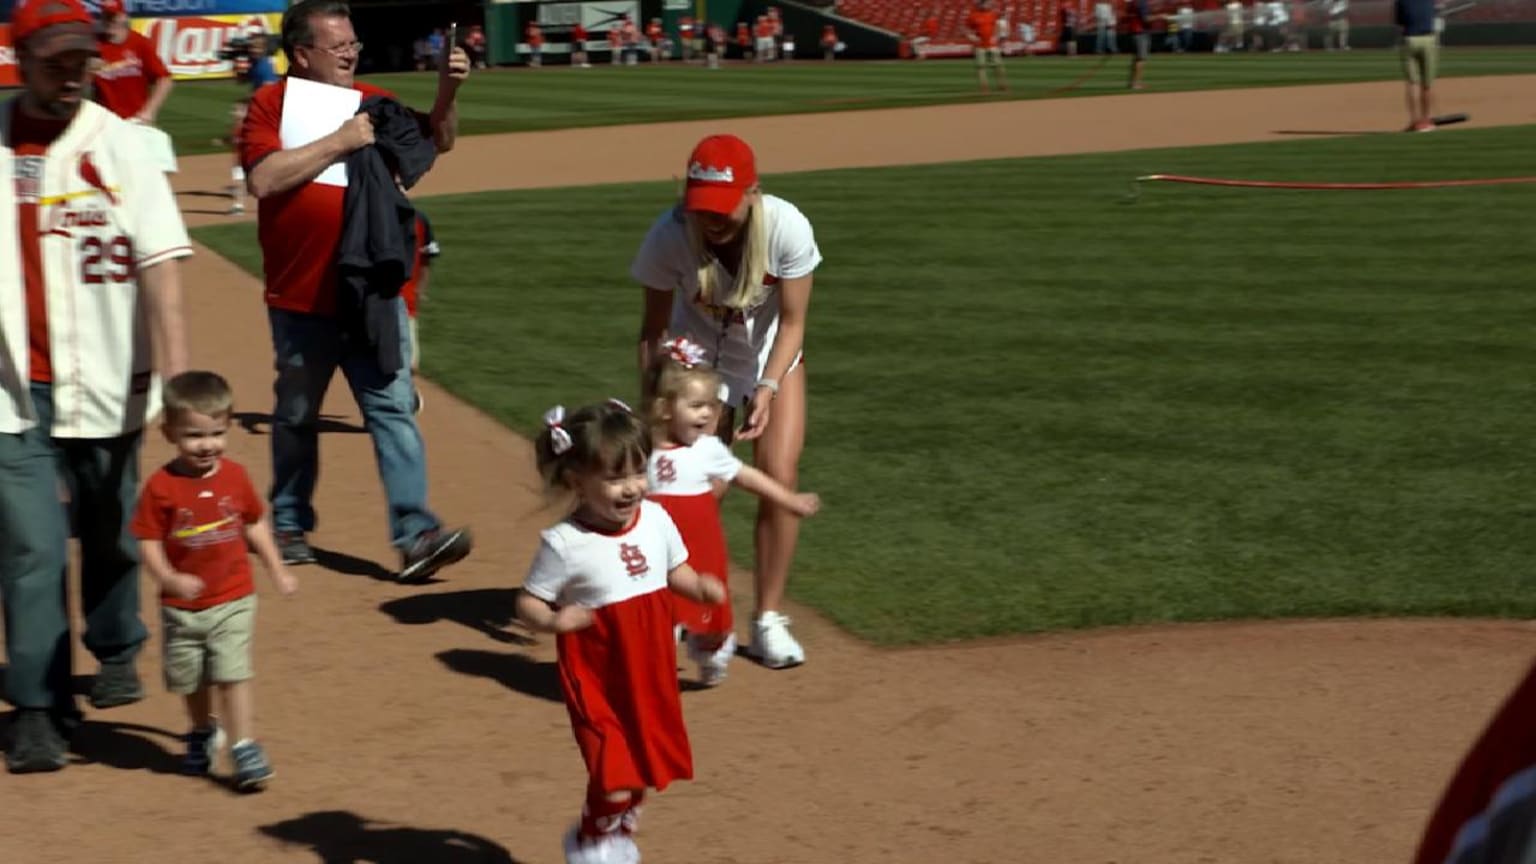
x,y
771,383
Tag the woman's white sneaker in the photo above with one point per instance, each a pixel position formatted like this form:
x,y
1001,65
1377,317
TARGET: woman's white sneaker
x,y
772,643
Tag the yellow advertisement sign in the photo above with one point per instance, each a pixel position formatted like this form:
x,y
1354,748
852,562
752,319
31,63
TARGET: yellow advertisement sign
x,y
190,47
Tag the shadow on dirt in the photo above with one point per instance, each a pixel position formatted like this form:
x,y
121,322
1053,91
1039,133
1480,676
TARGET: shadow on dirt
x,y
256,423
485,610
343,837
517,672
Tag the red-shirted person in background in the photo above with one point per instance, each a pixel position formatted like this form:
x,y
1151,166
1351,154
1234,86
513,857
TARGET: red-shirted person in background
x,y
687,33
299,226
653,37
535,39
982,22
615,44
131,80
744,39
927,33
579,46
828,42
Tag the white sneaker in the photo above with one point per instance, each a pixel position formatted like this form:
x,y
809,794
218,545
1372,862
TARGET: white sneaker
x,y
712,664
772,644
612,848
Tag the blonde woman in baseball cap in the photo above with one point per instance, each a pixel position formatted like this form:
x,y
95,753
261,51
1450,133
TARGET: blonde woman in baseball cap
x,y
730,268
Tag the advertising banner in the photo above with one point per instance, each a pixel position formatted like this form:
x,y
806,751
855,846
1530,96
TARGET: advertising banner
x,y
189,46
596,17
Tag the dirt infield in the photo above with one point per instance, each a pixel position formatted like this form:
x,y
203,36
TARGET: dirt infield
x,y
415,725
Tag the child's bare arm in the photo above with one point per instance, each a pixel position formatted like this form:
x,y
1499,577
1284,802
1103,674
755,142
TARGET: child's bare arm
x,y
700,588
759,483
259,535
183,585
541,615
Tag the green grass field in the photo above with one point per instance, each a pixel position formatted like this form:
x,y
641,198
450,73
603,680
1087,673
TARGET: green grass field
x,y
561,97
1053,409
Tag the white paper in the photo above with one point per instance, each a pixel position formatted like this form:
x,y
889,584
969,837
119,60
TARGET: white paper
x,y
158,145
311,111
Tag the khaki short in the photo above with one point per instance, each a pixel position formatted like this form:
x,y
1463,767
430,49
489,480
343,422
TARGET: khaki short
x,y
989,57
1421,59
208,646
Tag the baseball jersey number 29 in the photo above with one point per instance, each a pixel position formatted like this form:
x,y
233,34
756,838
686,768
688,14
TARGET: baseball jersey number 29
x,y
103,261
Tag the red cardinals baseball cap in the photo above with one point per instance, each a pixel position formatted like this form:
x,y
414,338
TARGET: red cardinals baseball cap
x,y
112,7
720,171
49,27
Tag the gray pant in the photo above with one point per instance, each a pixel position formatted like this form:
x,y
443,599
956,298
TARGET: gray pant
x,y
101,476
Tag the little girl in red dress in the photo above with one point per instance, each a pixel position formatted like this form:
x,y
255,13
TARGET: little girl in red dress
x,y
604,579
687,461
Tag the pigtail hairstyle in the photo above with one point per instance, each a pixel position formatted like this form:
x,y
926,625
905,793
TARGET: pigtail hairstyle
x,y
604,437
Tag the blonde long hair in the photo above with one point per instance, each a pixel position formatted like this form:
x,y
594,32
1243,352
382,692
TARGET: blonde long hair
x,y
748,289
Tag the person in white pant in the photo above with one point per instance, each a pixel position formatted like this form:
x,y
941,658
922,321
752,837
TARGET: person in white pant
x,y
730,269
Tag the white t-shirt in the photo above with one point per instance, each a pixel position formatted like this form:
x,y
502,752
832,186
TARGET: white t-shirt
x,y
578,566
735,341
689,470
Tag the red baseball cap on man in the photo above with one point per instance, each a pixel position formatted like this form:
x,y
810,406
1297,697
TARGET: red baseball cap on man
x,y
49,27
720,171
112,7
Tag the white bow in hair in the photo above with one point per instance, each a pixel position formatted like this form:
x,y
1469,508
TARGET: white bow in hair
x,y
620,404
559,439
688,353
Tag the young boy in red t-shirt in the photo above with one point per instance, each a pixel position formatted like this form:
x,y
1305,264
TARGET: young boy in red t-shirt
x,y
194,520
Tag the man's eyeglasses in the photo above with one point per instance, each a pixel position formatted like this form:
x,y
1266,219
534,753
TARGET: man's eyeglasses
x,y
341,50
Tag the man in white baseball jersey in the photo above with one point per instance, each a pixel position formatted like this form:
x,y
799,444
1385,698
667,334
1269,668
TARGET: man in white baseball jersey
x,y
90,293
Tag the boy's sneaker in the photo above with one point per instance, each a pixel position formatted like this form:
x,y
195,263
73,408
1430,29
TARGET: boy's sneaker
x,y
712,664
203,748
432,552
294,548
116,684
35,744
772,644
251,769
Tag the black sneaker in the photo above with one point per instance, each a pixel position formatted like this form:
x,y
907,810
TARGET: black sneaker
x,y
294,548
35,744
252,770
116,684
432,552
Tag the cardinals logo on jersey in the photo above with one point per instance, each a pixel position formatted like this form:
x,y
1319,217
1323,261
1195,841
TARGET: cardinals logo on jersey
x,y
634,560
92,176
666,470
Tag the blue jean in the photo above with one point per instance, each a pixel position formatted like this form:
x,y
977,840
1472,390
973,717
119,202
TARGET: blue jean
x,y
102,478
309,349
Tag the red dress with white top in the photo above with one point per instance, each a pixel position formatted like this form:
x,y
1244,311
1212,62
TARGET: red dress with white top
x,y
680,482
619,675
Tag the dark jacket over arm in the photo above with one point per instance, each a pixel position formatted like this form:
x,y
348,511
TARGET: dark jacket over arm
x,y
378,237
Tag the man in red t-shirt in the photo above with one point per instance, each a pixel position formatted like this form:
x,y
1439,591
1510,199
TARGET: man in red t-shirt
x,y
579,46
982,22
131,81
299,225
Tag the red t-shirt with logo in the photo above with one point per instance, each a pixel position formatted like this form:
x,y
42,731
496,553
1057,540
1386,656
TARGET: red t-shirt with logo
x,y
30,139
127,72
983,22
299,230
202,521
